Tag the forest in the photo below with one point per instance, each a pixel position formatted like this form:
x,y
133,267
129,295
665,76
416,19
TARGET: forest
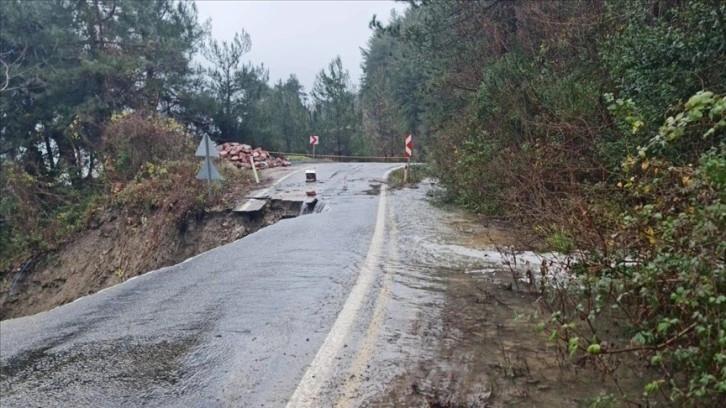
x,y
600,125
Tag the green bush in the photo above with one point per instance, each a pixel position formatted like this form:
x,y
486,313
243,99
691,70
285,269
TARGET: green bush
x,y
663,271
133,139
37,216
166,186
416,173
660,52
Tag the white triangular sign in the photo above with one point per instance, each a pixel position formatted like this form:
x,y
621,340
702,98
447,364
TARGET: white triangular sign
x,y
208,171
205,144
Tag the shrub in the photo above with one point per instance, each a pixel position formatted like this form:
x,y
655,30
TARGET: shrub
x,y
133,139
166,186
37,215
662,269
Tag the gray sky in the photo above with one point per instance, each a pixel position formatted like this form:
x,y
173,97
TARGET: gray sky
x,y
299,37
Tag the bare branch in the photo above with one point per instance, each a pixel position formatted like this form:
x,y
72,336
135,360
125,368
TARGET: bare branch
x,y
7,74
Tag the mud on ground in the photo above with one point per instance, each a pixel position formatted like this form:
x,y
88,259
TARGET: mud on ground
x,y
479,346
488,354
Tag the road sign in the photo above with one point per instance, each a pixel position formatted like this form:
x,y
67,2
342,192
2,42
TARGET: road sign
x,y
409,151
208,149
208,171
207,145
314,141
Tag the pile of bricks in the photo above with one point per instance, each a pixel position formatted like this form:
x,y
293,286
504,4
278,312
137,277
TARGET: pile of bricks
x,y
239,155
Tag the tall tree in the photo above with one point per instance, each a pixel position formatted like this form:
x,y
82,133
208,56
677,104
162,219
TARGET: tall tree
x,y
286,119
237,87
75,63
226,59
253,81
391,93
336,117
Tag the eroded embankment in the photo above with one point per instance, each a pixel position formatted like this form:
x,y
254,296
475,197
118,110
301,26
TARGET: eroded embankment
x,y
119,247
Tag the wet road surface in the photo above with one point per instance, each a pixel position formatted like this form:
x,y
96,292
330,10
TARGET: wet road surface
x,y
380,300
236,326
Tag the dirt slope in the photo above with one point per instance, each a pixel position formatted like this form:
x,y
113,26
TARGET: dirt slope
x,y
115,248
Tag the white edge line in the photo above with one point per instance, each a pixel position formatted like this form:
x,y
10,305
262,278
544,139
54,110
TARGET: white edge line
x,y
308,389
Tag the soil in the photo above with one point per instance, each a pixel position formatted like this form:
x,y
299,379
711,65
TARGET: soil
x,y
488,354
463,334
116,248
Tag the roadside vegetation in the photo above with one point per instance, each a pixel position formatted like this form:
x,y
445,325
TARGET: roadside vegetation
x,y
416,174
602,125
102,105
299,158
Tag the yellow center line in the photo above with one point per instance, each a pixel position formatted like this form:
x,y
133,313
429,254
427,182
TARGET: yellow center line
x,y
320,371
368,345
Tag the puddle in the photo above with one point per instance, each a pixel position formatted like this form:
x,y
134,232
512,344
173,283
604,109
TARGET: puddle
x,y
375,189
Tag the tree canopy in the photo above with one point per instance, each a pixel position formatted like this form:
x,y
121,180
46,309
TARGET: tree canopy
x,y
335,112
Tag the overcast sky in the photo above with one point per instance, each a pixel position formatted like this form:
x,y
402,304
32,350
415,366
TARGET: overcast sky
x,y
299,37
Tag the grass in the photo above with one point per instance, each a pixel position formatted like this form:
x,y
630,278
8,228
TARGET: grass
x,y
298,158
416,173
556,239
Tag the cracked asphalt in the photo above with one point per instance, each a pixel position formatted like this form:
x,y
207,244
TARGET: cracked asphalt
x,y
236,326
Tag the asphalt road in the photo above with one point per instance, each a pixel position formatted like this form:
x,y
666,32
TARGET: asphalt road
x,y
262,321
